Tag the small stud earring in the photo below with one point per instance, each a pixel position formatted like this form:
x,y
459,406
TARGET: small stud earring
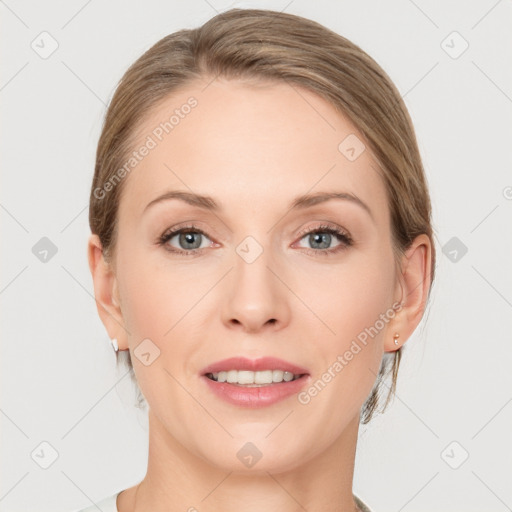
x,y
396,338
114,344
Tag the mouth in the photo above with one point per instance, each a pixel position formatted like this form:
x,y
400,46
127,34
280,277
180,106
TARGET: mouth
x,y
254,383
263,371
251,379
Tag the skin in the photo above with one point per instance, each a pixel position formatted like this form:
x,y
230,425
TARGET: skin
x,y
253,148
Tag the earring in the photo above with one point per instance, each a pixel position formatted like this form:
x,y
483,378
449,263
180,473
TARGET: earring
x,y
396,338
114,344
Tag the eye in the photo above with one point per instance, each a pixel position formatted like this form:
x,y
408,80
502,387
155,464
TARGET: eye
x,y
189,240
321,238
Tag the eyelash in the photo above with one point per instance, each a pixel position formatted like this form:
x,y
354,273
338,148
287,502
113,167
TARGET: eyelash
x,y
342,236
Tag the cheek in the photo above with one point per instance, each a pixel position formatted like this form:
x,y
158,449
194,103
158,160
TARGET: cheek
x,y
347,360
153,288
154,308
363,296
353,307
349,297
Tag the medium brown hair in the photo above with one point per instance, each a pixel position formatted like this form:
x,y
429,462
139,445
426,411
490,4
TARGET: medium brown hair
x,y
263,45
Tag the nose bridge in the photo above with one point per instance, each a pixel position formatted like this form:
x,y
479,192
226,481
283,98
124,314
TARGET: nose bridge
x,y
255,295
252,277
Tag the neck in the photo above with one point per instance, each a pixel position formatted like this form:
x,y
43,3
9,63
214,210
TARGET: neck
x,y
177,480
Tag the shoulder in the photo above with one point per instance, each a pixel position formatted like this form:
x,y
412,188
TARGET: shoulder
x,y
106,505
361,504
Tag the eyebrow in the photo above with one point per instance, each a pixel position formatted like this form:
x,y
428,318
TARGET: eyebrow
x,y
299,203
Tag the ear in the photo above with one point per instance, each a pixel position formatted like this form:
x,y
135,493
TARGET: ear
x,y
106,293
412,287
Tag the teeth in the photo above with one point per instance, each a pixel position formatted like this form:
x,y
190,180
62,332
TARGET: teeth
x,y
246,377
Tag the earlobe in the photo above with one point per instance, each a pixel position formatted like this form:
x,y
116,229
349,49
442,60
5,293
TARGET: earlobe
x,y
415,282
105,292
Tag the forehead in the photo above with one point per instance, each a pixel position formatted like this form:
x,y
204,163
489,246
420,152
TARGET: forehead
x,y
249,144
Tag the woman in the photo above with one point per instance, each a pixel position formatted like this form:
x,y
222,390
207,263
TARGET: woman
x,y
262,248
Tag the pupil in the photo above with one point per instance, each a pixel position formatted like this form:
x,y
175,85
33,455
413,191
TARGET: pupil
x,y
320,237
187,238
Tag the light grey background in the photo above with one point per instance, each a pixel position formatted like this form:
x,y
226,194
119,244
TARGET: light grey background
x,y
58,370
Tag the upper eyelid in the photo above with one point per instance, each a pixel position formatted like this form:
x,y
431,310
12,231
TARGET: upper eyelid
x,y
324,226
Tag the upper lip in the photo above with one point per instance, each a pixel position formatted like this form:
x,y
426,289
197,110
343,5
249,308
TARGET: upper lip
x,y
254,365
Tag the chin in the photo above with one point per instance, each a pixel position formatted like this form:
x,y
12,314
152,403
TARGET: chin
x,y
259,457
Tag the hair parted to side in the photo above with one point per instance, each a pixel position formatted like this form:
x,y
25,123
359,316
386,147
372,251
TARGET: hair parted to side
x,y
263,46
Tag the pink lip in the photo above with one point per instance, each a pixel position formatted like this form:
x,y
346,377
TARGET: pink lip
x,y
255,397
254,365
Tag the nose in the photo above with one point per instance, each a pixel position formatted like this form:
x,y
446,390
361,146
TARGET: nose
x,y
255,296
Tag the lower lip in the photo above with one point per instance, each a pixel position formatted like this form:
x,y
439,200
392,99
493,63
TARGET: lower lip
x,y
254,397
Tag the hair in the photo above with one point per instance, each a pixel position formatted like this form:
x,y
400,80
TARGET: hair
x,y
256,45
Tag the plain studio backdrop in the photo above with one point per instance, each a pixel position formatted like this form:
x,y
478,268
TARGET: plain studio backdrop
x,y
71,434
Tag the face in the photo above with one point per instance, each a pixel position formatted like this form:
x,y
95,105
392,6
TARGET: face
x,y
256,276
